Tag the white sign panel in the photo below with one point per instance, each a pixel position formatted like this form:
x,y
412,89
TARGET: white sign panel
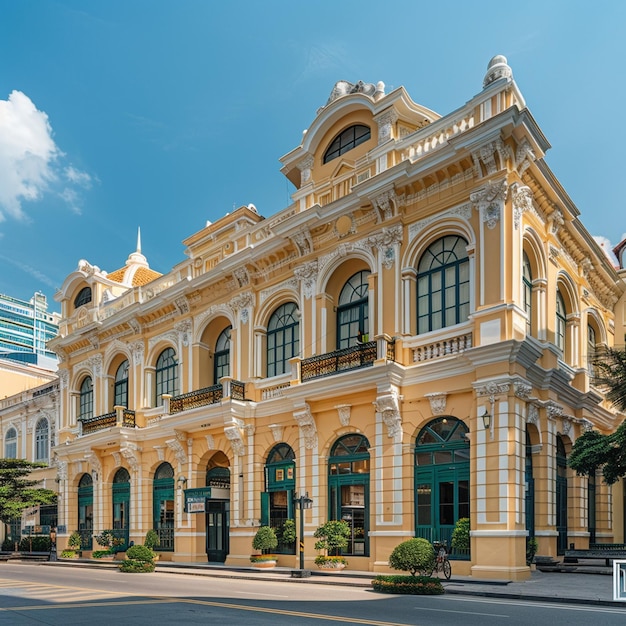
x,y
619,581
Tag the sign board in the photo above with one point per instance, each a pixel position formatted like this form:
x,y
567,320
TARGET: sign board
x,y
619,581
195,499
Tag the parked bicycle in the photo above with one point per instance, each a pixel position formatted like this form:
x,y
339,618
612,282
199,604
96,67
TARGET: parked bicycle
x,y
442,564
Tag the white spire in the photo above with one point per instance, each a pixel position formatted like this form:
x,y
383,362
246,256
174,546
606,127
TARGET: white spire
x,y
139,239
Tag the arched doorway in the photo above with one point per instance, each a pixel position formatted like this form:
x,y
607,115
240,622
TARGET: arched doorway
x,y
163,506
349,486
441,478
217,512
561,495
85,511
277,501
121,505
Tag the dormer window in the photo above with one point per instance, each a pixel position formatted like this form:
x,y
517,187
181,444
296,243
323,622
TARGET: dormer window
x,y
346,140
83,297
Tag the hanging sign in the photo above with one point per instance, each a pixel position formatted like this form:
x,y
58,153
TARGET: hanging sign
x,y
195,499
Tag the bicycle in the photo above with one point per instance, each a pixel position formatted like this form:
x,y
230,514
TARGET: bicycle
x,y
442,564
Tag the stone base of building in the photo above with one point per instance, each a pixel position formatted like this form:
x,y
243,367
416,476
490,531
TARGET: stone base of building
x,y
500,572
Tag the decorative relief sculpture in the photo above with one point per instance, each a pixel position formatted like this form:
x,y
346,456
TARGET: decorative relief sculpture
x,y
344,413
183,328
388,407
305,167
385,122
303,241
437,402
385,242
235,436
490,201
385,204
277,431
177,448
307,275
306,423
522,198
522,390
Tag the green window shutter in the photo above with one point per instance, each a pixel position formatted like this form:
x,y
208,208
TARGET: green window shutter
x,y
265,509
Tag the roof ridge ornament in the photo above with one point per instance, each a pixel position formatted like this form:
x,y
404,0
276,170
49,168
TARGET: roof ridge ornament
x,y
497,68
344,88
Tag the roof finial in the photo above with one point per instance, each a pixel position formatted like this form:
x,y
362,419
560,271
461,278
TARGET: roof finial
x,y
139,239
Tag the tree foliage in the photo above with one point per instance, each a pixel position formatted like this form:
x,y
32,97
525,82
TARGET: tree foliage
x,y
413,555
332,537
592,449
17,491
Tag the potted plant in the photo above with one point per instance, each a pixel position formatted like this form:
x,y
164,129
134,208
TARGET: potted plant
x,y
109,542
73,546
264,540
332,537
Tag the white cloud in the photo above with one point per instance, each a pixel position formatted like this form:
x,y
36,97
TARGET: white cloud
x,y
30,160
607,247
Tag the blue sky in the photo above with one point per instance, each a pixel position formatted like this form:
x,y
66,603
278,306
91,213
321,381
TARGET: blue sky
x,y
165,114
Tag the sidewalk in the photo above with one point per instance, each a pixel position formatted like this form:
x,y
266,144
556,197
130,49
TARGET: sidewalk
x,y
582,585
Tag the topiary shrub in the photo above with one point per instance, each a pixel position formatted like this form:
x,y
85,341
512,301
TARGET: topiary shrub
x,y
415,585
332,537
461,535
531,549
152,539
139,560
68,554
265,539
414,555
73,543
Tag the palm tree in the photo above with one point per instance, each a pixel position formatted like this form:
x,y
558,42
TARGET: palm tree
x,y
610,373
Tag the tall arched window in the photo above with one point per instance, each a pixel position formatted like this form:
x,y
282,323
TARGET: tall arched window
x,y
352,312
10,444
443,294
163,506
121,504
42,440
591,348
283,338
83,297
121,386
166,375
346,140
221,361
277,501
348,485
85,400
527,279
85,511
560,322
442,475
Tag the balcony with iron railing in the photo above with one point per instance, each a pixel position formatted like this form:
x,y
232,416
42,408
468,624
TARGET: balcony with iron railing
x,y
120,417
214,394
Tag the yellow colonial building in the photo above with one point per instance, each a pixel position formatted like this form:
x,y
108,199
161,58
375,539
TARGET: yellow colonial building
x,y
408,343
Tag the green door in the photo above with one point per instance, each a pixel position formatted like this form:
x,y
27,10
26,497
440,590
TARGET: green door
x,y
121,506
85,512
217,524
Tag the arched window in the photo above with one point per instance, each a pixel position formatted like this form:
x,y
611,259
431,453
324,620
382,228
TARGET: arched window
x,y
348,485
10,444
443,294
121,385
352,312
121,504
283,338
83,297
560,322
85,400
591,348
277,501
346,140
527,279
441,478
85,511
166,375
163,506
42,440
221,362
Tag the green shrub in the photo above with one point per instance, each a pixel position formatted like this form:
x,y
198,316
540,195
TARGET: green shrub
x,y
414,555
140,553
35,544
332,537
288,531
8,545
152,539
74,541
68,554
461,534
98,554
265,539
135,566
531,549
416,585
322,559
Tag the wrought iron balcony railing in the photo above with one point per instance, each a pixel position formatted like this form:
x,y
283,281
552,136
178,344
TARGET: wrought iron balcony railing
x,y
346,359
119,417
195,399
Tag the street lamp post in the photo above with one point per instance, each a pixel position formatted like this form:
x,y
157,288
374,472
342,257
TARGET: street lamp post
x,y
302,502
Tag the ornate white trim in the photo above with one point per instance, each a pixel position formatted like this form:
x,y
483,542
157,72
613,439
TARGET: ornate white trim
x,y
307,275
388,407
437,402
489,201
277,431
307,426
522,198
343,411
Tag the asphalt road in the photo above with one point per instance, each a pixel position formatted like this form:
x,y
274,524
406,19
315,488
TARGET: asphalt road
x,y
31,594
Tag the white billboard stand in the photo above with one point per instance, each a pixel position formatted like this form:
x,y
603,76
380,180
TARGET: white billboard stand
x,y
619,581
